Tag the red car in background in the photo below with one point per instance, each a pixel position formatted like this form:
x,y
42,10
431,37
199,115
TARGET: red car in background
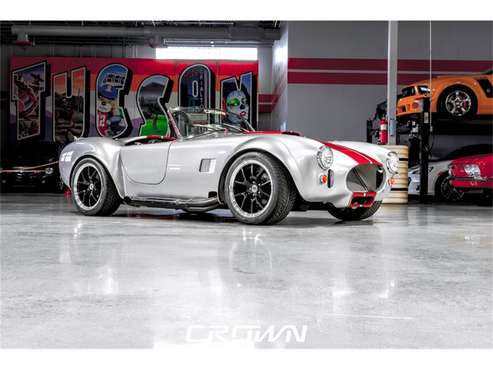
x,y
474,174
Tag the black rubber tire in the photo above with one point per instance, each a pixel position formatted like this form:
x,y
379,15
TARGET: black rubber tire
x,y
441,102
283,191
349,214
438,190
110,200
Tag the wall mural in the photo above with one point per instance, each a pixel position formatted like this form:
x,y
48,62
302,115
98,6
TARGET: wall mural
x,y
27,94
58,99
70,100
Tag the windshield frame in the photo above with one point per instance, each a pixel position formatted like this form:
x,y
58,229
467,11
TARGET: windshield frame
x,y
220,127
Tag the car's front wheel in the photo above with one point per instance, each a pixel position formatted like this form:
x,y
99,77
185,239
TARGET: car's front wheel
x,y
446,192
258,189
350,214
93,190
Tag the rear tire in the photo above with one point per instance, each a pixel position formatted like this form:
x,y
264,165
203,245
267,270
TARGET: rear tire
x,y
458,102
258,189
93,190
349,214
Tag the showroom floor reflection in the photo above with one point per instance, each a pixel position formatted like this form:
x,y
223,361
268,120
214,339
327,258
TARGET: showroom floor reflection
x,y
409,277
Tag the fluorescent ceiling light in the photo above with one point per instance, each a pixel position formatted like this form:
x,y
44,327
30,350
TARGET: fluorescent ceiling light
x,y
206,52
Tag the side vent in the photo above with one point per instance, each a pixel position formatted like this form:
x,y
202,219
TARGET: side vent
x,y
207,165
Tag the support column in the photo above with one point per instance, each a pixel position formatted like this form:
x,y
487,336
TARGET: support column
x,y
392,80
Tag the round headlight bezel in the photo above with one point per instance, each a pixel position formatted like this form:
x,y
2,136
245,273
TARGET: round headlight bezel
x,y
392,163
325,157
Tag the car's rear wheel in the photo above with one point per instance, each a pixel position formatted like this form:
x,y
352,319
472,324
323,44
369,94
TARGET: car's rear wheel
x,y
458,102
446,192
258,189
93,191
356,214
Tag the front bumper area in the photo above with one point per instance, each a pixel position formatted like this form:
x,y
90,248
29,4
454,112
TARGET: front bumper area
x,y
470,183
348,190
362,199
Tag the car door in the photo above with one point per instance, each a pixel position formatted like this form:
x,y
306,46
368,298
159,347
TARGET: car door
x,y
146,163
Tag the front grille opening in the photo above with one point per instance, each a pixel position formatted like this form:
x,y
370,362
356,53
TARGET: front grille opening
x,y
365,177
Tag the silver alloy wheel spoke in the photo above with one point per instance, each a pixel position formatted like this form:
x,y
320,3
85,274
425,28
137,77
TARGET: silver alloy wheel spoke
x,y
458,103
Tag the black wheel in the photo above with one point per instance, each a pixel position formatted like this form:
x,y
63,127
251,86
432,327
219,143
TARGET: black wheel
x,y
93,191
446,192
350,214
458,102
258,190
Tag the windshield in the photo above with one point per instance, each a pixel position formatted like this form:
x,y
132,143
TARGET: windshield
x,y
193,122
408,91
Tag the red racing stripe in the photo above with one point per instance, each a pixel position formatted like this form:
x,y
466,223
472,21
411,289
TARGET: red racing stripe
x,y
358,157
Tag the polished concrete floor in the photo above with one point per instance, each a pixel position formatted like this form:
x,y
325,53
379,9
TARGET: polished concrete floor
x,y
413,277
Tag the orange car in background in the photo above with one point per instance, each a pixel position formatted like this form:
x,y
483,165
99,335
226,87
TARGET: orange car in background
x,y
454,96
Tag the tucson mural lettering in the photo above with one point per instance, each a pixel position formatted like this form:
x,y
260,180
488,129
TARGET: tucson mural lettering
x,y
70,99
28,88
58,99
151,95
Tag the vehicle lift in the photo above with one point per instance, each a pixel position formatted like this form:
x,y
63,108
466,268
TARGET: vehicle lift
x,y
424,130
421,129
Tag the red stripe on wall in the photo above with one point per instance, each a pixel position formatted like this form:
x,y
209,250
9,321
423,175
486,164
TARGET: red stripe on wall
x,y
325,78
417,65
265,98
444,65
338,63
328,78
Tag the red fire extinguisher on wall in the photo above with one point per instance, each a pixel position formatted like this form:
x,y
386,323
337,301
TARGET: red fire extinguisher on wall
x,y
384,131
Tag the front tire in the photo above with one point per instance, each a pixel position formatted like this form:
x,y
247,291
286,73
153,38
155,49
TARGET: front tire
x,y
258,189
446,192
349,214
93,190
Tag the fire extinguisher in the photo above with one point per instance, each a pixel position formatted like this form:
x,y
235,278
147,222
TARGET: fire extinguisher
x,y
384,133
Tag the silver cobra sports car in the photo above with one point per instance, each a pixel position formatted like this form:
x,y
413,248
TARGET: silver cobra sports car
x,y
212,159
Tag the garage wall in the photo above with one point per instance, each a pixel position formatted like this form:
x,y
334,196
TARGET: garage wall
x,y
265,86
279,98
116,51
337,70
332,108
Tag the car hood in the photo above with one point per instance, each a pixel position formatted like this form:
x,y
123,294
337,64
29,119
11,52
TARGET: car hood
x,y
346,148
441,79
483,159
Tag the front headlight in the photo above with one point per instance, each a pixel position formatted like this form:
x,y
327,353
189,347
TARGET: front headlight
x,y
392,163
472,170
325,157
